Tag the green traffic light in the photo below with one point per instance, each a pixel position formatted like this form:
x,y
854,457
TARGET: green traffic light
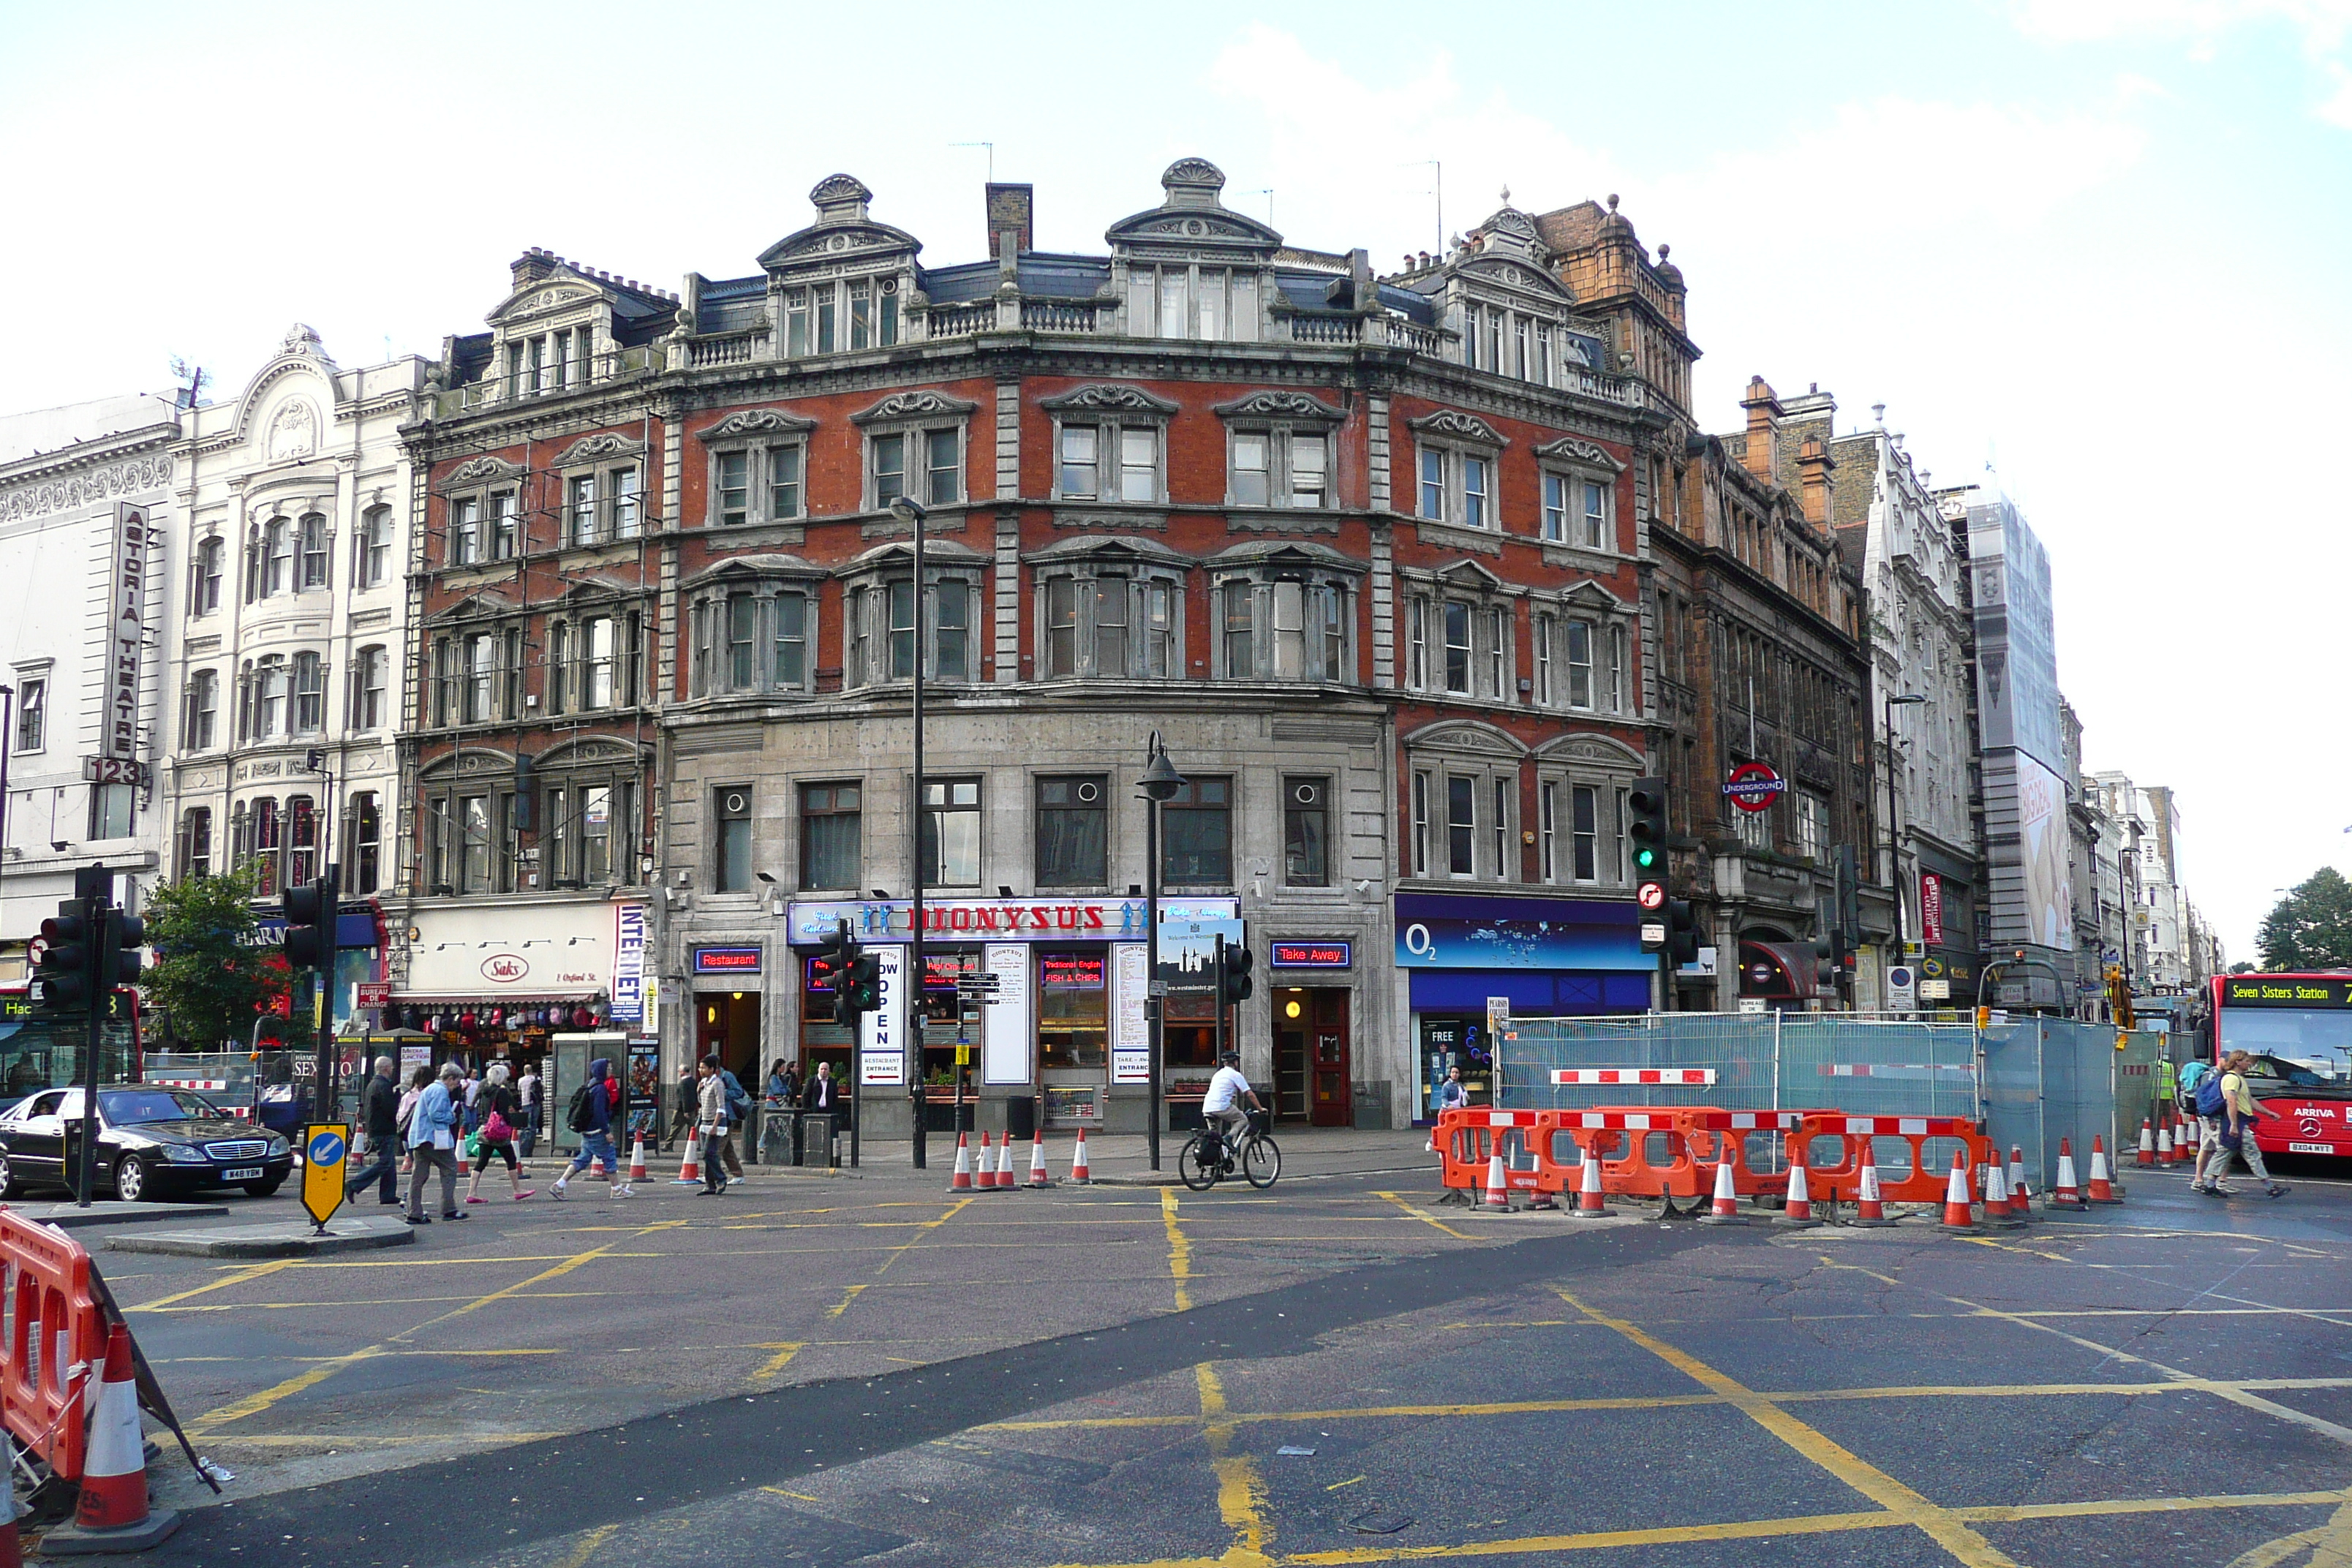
x,y
1645,858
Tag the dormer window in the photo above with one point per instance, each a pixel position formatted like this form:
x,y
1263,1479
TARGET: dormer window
x,y
824,318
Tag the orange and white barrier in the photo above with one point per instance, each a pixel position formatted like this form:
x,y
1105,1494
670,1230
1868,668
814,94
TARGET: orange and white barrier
x,y
2101,1188
1799,1215
1590,1076
1589,1203
2067,1194
960,1181
1079,1173
1958,1215
1037,1176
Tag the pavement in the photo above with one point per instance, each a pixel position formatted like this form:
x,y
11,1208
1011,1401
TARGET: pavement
x,y
1335,1371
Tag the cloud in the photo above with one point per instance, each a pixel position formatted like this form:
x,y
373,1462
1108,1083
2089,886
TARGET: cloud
x,y
2337,110
2323,26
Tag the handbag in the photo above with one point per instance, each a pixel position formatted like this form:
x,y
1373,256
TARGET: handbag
x,y
496,1129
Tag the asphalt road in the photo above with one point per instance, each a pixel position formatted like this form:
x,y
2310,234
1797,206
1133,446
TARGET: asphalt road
x,y
872,1371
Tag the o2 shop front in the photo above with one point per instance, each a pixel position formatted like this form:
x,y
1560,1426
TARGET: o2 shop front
x,y
1066,1029
1553,958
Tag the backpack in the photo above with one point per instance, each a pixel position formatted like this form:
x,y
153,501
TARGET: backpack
x,y
2184,1087
578,1114
2209,1095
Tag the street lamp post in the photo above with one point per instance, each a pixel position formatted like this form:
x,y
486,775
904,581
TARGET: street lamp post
x,y
1893,841
1159,785
910,511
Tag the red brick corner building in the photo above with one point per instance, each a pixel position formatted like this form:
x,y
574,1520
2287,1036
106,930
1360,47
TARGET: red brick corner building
x,y
1365,551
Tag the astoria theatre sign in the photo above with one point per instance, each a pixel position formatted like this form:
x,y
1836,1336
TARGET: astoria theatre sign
x,y
126,651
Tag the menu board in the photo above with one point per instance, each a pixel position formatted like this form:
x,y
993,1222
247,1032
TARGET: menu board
x,y
1131,1040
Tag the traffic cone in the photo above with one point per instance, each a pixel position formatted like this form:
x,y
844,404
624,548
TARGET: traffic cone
x,y
984,1177
2102,1189
2068,1193
2021,1196
637,1159
1957,1214
1799,1214
1589,1203
1726,1207
1996,1198
112,1514
2146,1142
1037,1177
961,1181
1498,1186
1869,1203
689,1170
1078,1171
1004,1181
2164,1145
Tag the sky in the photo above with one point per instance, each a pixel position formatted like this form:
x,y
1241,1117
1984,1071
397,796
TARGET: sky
x,y
2092,251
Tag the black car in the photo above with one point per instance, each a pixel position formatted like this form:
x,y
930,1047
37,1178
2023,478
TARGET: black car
x,y
151,1143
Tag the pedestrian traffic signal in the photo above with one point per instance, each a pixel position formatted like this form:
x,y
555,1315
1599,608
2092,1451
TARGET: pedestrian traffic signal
x,y
309,940
66,959
1645,827
125,936
1682,933
1238,985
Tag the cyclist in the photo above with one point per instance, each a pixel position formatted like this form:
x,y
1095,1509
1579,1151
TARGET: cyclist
x,y
1218,1108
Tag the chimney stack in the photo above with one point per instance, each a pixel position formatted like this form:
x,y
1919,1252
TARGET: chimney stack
x,y
1813,466
1011,208
1762,456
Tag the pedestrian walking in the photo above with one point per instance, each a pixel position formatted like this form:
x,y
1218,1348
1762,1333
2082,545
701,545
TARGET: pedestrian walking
x,y
473,1100
417,1080
712,1110
589,1114
1451,1094
738,1114
533,1091
380,1120
2238,1108
501,1107
432,1144
684,1105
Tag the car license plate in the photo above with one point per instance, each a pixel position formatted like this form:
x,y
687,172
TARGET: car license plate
x,y
248,1173
2311,1148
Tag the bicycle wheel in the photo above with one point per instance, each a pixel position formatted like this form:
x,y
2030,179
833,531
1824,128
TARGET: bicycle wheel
x,y
1261,1162
1198,1172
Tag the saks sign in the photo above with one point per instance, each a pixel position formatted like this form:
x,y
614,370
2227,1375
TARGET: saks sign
x,y
1000,920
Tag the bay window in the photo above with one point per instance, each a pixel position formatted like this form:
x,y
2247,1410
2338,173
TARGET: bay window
x,y
1108,624
1284,627
883,628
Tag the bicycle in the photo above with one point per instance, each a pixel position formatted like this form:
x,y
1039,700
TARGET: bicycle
x,y
1210,1157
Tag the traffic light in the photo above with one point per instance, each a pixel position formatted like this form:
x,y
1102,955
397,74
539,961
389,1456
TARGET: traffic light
x,y
859,990
1682,933
68,957
834,957
125,936
1645,828
1238,982
309,941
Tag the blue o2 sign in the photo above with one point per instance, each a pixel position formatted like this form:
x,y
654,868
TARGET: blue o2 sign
x,y
1310,954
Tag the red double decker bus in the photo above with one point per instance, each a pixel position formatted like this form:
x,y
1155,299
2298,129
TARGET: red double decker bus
x,y
2298,1030
43,1050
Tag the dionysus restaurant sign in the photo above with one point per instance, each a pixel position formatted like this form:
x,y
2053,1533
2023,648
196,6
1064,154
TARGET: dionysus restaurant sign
x,y
998,920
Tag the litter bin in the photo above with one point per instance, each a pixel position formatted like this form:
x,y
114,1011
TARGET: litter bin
x,y
816,1139
776,1136
1020,1118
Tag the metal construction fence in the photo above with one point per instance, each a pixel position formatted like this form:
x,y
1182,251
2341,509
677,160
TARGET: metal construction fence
x,y
2031,1082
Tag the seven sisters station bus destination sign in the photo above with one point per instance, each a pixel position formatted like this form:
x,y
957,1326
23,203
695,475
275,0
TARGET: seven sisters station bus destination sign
x,y
1754,786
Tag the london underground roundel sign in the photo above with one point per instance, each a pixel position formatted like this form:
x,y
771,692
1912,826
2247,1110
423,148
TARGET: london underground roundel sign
x,y
1754,786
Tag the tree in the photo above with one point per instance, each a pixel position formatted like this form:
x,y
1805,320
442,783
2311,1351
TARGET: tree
x,y
2311,928
213,973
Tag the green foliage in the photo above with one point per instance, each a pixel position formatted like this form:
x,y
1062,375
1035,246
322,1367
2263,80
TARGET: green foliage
x,y
213,973
2311,928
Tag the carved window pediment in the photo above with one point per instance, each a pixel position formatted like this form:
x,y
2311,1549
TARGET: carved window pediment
x,y
1454,423
1109,398
1472,738
913,406
750,424
1584,454
483,470
1271,404
598,448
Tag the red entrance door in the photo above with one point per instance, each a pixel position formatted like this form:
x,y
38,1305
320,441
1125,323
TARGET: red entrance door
x,y
1331,1101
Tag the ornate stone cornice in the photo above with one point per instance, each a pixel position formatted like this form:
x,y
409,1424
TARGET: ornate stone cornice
x,y
1279,406
109,481
482,470
1569,449
1465,427
917,404
596,448
1109,397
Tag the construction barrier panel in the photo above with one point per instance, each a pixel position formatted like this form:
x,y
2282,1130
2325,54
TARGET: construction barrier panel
x,y
1467,1140
52,1340
1913,1154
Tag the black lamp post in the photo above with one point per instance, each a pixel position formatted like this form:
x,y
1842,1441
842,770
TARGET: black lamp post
x,y
1894,842
1159,785
909,510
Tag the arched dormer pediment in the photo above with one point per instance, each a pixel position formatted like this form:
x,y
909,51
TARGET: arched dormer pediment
x,y
1191,215
301,356
842,231
1467,736
1582,746
1510,272
1109,397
